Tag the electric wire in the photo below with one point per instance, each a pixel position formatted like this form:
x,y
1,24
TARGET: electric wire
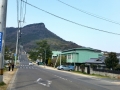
x,y
24,13
17,1
88,13
70,20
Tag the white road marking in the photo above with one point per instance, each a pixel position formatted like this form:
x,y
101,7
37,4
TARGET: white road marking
x,y
49,82
39,81
42,84
62,78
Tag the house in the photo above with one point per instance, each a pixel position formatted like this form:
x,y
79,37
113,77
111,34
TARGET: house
x,y
80,55
99,62
55,54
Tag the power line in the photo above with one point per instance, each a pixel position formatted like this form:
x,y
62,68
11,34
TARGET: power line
x,y
17,12
88,13
21,12
70,20
24,13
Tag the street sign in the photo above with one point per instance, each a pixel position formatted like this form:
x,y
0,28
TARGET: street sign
x,y
14,54
1,34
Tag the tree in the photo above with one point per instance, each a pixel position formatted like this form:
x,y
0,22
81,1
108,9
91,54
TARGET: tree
x,y
33,55
8,54
43,50
117,67
49,62
82,66
111,61
63,61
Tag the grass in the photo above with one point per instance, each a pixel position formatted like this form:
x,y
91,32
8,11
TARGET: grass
x,y
97,75
100,76
2,83
3,86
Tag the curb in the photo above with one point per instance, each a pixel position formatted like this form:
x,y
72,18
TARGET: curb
x,y
117,82
12,80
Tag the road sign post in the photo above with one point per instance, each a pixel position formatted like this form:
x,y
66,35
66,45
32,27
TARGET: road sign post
x,y
15,58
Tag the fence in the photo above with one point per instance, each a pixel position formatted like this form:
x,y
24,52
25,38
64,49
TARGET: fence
x,y
109,73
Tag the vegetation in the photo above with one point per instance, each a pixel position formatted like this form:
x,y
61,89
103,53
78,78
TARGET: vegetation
x,y
111,61
93,66
117,67
8,54
82,66
63,61
37,32
2,83
3,86
42,51
49,62
33,55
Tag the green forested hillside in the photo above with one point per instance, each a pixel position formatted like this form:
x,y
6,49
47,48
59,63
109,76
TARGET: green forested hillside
x,y
35,32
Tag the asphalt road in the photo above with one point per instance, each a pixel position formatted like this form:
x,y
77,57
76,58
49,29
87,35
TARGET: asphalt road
x,y
38,78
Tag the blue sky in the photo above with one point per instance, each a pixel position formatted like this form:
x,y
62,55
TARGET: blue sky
x,y
82,36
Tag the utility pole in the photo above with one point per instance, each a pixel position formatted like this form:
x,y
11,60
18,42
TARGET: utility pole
x,y
16,53
45,56
3,13
60,58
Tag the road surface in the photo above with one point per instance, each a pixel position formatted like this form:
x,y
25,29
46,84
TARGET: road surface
x,y
38,78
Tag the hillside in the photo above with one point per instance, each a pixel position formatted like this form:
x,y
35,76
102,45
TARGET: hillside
x,y
35,32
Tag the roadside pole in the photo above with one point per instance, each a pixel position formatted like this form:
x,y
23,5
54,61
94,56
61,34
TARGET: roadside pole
x,y
3,13
60,59
56,60
45,57
16,53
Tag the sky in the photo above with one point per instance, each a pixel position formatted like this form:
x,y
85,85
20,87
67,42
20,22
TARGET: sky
x,y
109,9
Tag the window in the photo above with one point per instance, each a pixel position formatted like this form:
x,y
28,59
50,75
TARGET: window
x,y
69,56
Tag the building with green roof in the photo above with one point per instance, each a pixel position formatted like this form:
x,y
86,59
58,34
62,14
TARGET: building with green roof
x,y
81,55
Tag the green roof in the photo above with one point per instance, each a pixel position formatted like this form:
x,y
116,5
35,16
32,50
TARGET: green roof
x,y
74,49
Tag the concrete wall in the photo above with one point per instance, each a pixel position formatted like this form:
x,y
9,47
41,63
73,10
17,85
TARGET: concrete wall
x,y
111,75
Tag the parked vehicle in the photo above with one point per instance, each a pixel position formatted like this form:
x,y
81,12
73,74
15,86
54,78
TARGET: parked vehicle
x,y
63,67
72,68
30,63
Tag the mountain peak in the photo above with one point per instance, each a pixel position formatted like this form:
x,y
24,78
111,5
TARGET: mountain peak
x,y
36,32
35,25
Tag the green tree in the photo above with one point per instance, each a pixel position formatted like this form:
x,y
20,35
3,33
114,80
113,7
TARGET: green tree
x,y
111,61
49,62
93,66
8,54
117,67
43,50
33,55
82,66
63,60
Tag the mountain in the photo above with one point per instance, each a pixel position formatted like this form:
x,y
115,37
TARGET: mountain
x,y
36,32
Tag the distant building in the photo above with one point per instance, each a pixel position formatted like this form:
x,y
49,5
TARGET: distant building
x,y
55,54
81,55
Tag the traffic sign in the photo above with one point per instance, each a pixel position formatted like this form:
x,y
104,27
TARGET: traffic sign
x,y
1,34
14,54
